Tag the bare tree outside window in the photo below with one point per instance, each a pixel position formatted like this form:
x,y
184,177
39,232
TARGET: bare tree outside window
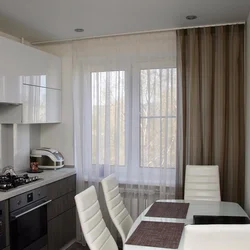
x,y
158,109
108,117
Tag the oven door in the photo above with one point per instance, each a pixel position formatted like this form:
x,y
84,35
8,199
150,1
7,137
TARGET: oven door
x,y
28,227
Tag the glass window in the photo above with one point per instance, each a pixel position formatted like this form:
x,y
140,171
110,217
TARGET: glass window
x,y
158,109
108,117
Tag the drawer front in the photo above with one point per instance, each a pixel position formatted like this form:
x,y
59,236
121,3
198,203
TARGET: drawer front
x,y
60,205
62,229
62,187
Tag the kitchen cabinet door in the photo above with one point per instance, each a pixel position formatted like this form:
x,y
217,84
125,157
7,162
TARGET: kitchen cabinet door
x,y
62,229
10,89
60,188
53,105
42,69
34,104
40,105
30,77
10,61
30,65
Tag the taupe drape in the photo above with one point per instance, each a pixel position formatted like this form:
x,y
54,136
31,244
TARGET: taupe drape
x,y
210,65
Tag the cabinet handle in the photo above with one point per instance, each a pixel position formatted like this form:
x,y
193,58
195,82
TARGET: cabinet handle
x,y
32,209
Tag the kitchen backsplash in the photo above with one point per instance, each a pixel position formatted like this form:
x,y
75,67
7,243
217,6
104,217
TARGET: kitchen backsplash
x,y
16,141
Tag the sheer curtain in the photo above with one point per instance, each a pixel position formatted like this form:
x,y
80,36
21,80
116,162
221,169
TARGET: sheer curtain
x,y
125,116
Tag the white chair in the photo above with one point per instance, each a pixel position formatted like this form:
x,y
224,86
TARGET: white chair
x,y
217,237
117,211
93,226
202,183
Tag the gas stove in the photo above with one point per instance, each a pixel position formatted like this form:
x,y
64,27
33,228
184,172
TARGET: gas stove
x,y
10,181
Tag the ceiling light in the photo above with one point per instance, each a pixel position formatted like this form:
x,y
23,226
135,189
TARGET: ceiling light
x,y
191,17
79,30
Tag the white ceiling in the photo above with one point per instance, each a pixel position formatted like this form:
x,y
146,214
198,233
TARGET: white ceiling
x,y
43,20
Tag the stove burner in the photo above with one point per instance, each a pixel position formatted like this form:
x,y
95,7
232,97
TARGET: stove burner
x,y
9,181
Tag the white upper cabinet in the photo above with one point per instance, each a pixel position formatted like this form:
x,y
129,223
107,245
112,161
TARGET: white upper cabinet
x,y
10,84
10,89
45,70
41,105
32,78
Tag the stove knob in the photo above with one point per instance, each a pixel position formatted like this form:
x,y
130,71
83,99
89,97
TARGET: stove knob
x,y
19,202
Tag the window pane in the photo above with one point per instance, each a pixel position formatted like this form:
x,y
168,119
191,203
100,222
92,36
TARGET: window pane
x,y
158,92
108,117
158,108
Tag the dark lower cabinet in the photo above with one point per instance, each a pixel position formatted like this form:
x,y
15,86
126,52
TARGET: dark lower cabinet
x,y
60,205
62,229
61,213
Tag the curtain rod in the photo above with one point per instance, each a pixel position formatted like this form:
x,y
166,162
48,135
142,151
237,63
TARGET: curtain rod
x,y
133,33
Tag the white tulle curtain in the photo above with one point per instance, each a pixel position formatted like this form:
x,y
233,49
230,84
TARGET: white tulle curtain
x,y
125,116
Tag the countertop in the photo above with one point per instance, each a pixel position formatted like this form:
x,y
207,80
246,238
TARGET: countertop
x,y
47,177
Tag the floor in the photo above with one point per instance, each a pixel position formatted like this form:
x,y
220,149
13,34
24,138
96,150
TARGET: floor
x,y
77,246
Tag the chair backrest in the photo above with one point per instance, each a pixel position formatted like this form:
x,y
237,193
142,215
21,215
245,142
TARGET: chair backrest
x,y
202,183
117,210
93,226
217,237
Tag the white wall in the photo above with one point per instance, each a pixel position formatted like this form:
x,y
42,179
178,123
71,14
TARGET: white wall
x,y
247,174
25,138
60,136
15,144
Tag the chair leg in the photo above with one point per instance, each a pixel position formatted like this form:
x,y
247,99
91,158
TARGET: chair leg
x,y
119,243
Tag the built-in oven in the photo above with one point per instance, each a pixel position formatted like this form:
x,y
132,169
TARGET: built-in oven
x,y
28,220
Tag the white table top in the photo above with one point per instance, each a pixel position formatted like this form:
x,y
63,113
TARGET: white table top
x,y
195,208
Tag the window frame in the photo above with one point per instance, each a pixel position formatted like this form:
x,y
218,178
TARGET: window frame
x,y
132,85
150,172
154,117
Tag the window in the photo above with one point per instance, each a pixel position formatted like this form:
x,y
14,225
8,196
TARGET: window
x,y
151,116
158,107
108,117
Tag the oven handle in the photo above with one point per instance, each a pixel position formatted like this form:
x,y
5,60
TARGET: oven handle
x,y
32,209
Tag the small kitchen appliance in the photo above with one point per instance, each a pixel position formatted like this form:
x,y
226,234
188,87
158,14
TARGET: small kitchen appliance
x,y
47,158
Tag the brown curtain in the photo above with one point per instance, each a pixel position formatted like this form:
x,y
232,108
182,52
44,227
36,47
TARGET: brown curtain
x,y
210,68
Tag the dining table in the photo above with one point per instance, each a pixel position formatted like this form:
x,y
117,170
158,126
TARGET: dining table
x,y
195,207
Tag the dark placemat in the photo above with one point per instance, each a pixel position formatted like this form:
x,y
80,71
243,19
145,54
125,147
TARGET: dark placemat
x,y
168,210
157,234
